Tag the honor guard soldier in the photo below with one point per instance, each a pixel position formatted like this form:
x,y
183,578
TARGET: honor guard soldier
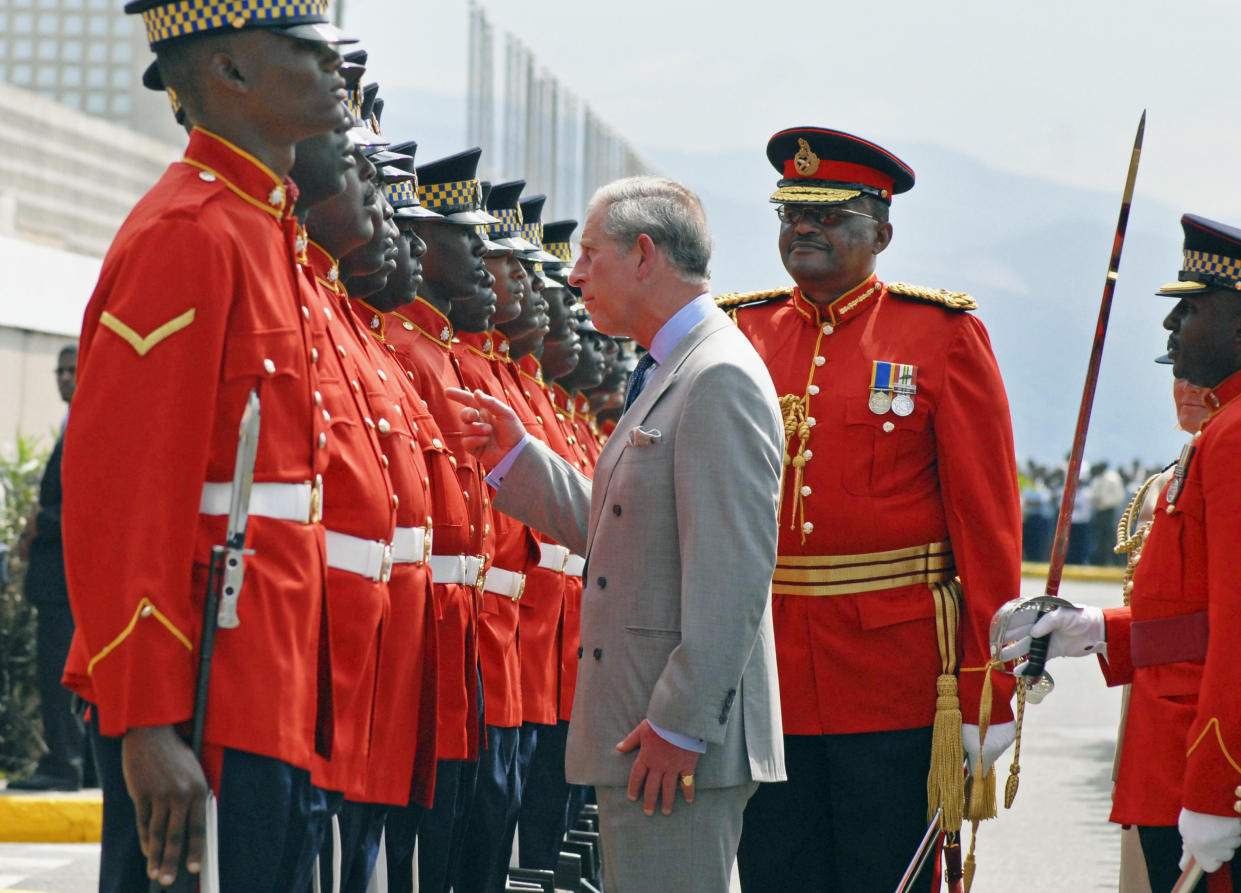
x,y
1175,641
899,479
422,338
196,308
498,787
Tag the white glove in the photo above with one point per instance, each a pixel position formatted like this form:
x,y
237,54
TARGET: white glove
x,y
1075,632
1210,839
999,739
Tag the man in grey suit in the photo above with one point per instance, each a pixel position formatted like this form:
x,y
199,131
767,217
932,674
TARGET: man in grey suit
x,y
677,685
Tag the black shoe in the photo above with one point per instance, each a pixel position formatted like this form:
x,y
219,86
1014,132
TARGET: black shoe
x,y
41,781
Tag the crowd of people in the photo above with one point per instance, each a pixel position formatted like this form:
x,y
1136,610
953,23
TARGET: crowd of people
x,y
1103,492
387,521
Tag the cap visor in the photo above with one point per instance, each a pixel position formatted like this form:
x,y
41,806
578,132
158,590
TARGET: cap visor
x,y
494,249
518,243
414,212
1164,360
321,32
1177,289
813,195
470,218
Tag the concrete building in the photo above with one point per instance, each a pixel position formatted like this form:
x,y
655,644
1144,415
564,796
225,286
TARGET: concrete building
x,y
86,55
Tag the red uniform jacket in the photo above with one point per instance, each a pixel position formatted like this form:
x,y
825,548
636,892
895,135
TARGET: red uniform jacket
x,y
1182,742
421,339
867,661
197,303
407,673
515,548
567,616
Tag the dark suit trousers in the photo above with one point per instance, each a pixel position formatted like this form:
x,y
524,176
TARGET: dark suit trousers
x,y
62,731
850,817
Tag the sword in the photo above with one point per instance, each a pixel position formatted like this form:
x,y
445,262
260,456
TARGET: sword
x,y
224,578
1038,647
1189,877
925,848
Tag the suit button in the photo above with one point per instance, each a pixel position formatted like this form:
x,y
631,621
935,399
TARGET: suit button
x,y
579,652
602,582
598,652
616,510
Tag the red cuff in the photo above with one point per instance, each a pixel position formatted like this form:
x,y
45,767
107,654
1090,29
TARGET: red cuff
x,y
1117,665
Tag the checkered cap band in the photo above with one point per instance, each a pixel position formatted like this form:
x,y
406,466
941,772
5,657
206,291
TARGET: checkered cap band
x,y
509,225
354,103
456,195
1213,265
532,232
402,194
196,16
562,250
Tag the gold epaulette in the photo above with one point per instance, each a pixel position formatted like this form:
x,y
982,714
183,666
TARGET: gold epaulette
x,y
742,298
953,300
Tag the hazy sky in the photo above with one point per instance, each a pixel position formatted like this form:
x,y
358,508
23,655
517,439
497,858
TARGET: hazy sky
x,y
1053,88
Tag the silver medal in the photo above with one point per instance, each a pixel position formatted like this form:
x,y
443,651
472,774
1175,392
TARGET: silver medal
x,y
902,404
880,402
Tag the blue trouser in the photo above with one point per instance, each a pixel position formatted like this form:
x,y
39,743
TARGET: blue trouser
x,y
441,834
549,805
494,809
272,821
361,825
400,834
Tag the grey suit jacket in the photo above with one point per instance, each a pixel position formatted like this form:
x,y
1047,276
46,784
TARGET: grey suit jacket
x,y
679,530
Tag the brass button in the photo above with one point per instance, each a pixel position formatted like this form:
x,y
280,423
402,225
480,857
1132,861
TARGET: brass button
x,y
805,490
437,443
408,326
813,389
314,355
382,377
384,460
819,361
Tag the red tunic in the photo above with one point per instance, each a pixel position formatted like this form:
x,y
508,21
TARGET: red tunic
x,y
515,547
358,501
1182,742
568,612
421,339
867,661
197,304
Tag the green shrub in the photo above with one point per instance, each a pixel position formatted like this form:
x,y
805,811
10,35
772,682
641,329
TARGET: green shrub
x,y
21,742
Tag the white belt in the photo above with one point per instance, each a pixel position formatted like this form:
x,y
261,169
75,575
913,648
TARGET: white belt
x,y
510,584
411,545
558,558
285,502
366,558
464,569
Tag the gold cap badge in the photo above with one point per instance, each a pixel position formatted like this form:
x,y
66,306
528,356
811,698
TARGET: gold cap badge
x,y
806,162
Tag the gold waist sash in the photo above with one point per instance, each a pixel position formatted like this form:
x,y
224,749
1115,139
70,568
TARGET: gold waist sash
x,y
869,572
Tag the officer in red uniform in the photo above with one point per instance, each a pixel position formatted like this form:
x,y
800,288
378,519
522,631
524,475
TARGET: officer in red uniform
x,y
198,304
421,335
1176,640
899,476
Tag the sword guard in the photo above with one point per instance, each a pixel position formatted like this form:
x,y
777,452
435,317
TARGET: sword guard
x,y
234,576
1039,684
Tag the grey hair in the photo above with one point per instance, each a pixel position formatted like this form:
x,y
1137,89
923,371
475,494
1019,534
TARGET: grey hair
x,y
670,214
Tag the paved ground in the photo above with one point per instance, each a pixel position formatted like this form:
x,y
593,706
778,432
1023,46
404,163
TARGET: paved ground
x,y
1056,836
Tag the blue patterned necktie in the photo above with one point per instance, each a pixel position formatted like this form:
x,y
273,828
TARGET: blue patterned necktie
x,y
638,379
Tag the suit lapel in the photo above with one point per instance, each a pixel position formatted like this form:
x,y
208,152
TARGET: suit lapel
x,y
659,383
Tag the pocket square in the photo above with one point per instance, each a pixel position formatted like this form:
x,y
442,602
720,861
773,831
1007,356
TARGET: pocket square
x,y
640,437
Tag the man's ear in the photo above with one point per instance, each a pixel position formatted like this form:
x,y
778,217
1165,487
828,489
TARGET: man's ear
x,y
647,253
883,237
224,69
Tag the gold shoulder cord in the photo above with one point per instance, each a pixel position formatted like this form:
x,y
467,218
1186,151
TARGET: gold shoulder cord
x,y
1129,542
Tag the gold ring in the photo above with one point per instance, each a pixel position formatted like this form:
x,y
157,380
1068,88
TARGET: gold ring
x,y
688,780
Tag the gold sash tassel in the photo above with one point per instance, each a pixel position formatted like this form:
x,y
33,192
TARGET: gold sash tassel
x,y
945,784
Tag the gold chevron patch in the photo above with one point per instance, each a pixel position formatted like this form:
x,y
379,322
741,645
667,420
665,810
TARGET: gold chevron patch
x,y
136,341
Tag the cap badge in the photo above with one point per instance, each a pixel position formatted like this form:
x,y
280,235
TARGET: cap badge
x,y
806,162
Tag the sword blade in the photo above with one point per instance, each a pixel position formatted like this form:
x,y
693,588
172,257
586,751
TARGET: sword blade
x,y
1060,545
1189,878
